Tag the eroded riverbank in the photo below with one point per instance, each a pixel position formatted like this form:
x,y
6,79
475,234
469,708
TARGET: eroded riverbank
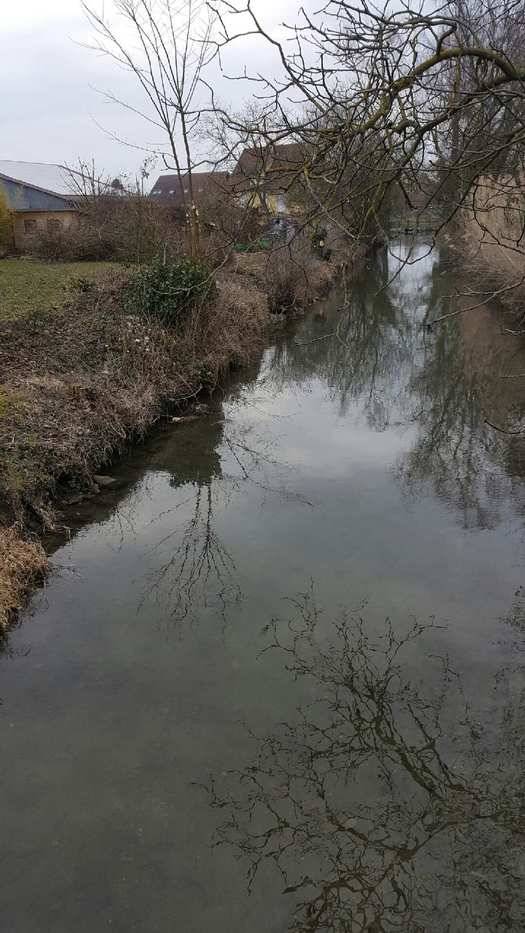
x,y
355,466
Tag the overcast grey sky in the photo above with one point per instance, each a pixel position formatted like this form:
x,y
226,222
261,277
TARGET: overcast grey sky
x,y
50,110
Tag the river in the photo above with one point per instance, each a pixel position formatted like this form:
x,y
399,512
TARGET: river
x,y
276,679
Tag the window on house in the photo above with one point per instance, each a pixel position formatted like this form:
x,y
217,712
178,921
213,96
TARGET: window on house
x,y
30,226
54,225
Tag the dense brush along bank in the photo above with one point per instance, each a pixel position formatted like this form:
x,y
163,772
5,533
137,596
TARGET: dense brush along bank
x,y
276,681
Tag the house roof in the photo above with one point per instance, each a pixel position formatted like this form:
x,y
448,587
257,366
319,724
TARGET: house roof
x,y
170,187
43,186
53,179
271,159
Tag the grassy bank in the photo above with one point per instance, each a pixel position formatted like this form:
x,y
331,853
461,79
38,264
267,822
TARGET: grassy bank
x,y
83,379
29,285
80,382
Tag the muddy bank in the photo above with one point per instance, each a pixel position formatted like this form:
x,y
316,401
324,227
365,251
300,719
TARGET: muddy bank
x,y
81,384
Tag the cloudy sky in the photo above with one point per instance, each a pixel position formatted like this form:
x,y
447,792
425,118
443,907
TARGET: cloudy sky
x,y
52,107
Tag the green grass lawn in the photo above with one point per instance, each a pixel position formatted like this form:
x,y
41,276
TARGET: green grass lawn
x,y
30,285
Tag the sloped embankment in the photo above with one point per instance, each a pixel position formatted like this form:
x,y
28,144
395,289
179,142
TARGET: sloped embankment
x,y
79,384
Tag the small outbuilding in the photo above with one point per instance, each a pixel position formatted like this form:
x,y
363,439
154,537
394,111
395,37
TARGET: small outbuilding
x,y
40,197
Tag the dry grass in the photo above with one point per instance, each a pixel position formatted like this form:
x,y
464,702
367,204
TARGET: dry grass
x,y
22,565
233,329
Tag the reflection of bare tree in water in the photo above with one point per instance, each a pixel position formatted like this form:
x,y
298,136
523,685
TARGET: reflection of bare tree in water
x,y
198,568
455,448
454,383
463,388
197,563
358,350
385,807
197,559
516,616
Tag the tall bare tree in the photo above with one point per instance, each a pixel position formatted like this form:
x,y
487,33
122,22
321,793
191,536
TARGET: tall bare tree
x,y
164,44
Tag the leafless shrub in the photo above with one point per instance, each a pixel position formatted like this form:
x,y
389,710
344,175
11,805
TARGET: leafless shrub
x,y
225,223
290,275
295,277
132,228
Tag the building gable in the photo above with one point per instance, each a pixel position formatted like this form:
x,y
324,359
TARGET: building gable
x,y
21,196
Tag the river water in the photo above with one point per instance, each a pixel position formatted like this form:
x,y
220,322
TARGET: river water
x,y
276,680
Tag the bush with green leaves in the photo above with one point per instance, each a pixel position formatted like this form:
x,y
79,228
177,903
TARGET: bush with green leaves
x,y
169,290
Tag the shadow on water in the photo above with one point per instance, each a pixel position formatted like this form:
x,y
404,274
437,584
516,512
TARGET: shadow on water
x,y
387,803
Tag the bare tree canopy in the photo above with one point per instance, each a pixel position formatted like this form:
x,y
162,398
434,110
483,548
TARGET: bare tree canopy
x,y
387,107
165,46
381,97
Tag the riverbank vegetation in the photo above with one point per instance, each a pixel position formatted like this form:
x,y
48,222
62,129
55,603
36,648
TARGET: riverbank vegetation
x,y
409,111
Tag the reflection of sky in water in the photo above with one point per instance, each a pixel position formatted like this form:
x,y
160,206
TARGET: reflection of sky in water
x,y
333,464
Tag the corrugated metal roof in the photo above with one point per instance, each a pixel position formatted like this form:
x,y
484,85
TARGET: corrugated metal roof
x,y
44,175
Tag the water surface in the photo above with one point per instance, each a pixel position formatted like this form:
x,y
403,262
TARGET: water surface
x,y
363,471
